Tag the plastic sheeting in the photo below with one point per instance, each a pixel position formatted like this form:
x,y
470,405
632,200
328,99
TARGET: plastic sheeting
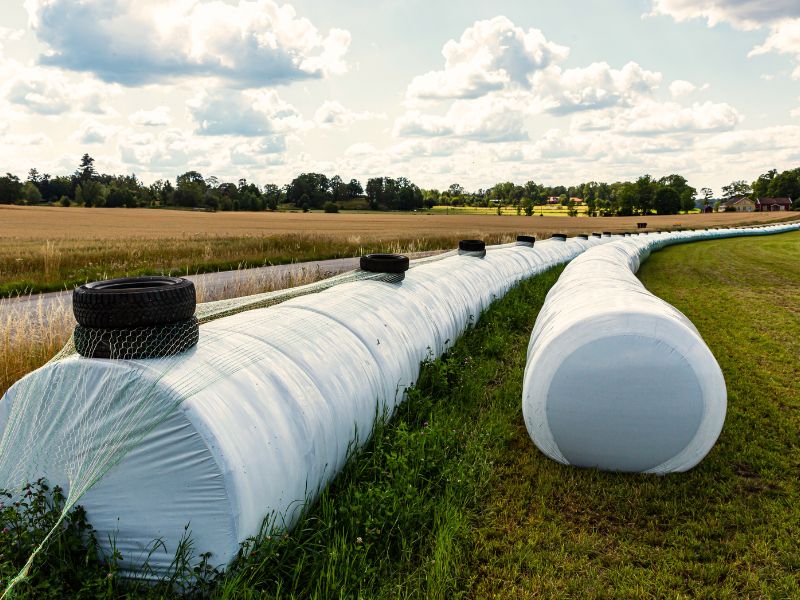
x,y
616,378
269,403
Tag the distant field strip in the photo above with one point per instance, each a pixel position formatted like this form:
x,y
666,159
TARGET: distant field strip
x,y
48,249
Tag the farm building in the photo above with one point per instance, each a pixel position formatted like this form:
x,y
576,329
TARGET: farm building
x,y
557,200
769,204
738,204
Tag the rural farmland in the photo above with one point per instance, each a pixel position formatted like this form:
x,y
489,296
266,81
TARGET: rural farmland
x,y
312,300
46,249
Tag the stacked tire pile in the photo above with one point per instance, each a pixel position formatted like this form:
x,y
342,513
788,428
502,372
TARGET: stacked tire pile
x,y
135,317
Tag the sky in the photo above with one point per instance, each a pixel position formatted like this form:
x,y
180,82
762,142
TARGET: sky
x,y
440,92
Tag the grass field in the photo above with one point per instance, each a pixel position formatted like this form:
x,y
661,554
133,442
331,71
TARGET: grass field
x,y
452,500
52,248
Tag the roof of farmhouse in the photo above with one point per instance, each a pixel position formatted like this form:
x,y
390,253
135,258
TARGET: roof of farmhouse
x,y
774,201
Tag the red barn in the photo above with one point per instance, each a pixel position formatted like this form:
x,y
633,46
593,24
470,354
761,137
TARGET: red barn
x,y
770,204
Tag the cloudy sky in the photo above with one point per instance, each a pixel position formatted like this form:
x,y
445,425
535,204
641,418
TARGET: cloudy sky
x,y
440,92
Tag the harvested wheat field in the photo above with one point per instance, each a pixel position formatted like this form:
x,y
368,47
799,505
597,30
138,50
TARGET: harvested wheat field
x,y
52,223
46,249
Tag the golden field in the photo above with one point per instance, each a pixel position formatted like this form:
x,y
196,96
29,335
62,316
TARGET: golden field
x,y
45,249
55,223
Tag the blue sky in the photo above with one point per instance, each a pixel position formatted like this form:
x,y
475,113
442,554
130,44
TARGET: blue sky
x,y
440,92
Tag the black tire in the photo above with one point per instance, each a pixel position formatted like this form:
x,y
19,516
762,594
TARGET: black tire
x,y
559,236
132,302
384,263
137,343
583,236
472,245
528,239
596,234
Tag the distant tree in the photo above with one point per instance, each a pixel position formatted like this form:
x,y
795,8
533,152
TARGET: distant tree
x,y
331,207
354,189
191,177
314,186
785,185
736,188
708,195
90,193
456,189
338,189
10,189
64,201
761,185
188,195
86,169
119,196
667,201
272,196
626,198
645,194
31,193
374,189
571,210
527,204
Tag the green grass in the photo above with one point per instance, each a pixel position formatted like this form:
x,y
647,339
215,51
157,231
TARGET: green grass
x,y
729,528
451,499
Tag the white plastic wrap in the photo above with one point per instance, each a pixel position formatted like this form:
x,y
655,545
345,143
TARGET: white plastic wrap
x,y
262,440
616,378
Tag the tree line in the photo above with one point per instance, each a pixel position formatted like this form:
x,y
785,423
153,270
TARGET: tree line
x,y
86,187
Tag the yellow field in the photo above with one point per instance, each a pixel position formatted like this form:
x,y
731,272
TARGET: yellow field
x,y
52,223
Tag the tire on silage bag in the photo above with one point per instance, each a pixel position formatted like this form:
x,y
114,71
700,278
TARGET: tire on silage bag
x,y
132,302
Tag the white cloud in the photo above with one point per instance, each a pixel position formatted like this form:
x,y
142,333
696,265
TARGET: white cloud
x,y
266,150
248,113
361,149
157,117
12,140
747,141
781,16
744,14
498,75
10,35
48,91
249,44
783,39
491,118
333,114
94,132
656,117
489,56
593,87
169,150
681,87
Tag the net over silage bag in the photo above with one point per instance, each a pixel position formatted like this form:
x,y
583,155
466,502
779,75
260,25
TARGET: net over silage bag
x,y
252,422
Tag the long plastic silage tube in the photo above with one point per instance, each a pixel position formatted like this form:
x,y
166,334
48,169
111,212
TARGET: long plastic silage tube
x,y
258,417
616,378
